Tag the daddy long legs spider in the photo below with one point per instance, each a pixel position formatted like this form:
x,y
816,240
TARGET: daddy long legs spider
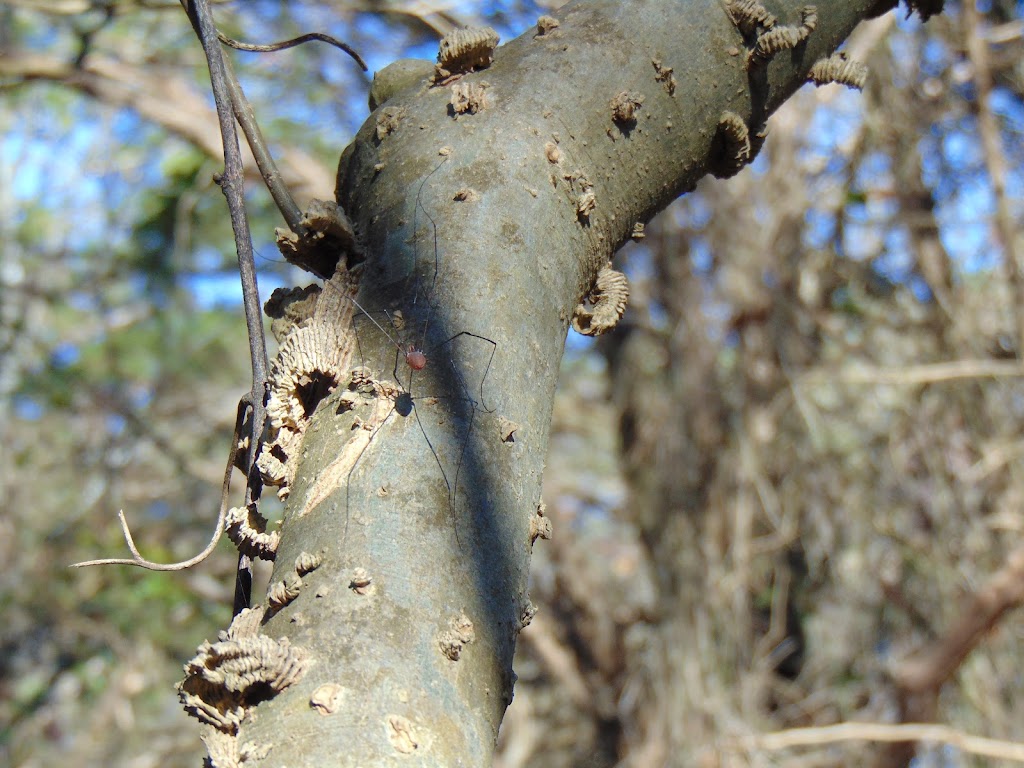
x,y
444,374
452,375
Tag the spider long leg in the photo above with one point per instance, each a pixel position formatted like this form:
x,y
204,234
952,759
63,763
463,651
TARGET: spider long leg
x,y
487,369
372,320
465,396
450,493
417,207
355,466
462,453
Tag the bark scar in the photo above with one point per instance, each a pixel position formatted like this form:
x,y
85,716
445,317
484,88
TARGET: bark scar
x,y
336,473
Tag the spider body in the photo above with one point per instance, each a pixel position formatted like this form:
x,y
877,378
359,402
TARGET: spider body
x,y
415,358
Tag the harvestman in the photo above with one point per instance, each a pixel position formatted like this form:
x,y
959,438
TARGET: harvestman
x,y
418,359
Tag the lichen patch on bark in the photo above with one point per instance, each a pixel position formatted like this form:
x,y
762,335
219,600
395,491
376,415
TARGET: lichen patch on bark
x,y
459,634
312,360
839,68
247,529
540,524
465,50
468,98
546,25
624,108
388,120
226,679
507,429
663,75
607,299
735,149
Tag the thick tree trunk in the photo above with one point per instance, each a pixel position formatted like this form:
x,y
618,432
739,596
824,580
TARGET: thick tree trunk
x,y
489,204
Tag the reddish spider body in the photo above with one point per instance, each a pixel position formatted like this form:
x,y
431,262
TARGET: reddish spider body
x,y
415,358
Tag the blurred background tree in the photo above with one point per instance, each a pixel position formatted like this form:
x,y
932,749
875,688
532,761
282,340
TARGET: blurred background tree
x,y
775,489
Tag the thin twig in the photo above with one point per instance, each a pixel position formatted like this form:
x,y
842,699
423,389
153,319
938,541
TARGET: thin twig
x,y
271,47
261,154
86,37
254,136
137,558
247,120
885,732
231,184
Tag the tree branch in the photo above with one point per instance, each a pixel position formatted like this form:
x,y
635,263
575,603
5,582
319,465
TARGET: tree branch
x,y
493,220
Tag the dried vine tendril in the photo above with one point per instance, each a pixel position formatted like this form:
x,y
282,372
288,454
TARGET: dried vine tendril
x,y
309,37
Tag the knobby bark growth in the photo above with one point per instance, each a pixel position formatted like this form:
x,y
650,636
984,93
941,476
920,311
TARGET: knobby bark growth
x,y
488,206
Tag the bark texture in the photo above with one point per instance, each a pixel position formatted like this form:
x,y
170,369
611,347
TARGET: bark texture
x,y
492,221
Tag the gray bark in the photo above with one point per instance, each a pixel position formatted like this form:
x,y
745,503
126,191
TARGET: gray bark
x,y
512,261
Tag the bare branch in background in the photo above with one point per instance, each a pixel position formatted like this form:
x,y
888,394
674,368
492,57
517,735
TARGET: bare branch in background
x,y
886,732
918,374
920,678
165,98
